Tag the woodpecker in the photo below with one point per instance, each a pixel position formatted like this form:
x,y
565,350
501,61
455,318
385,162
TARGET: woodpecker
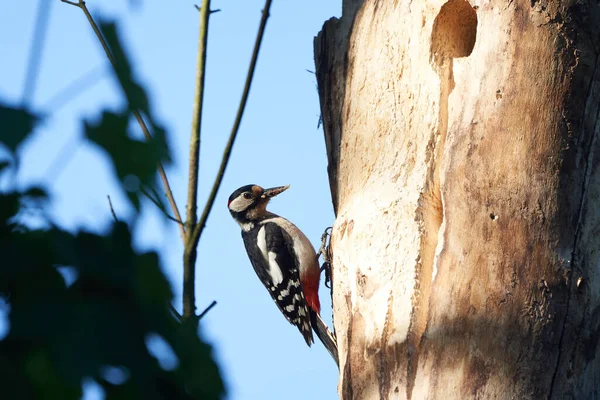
x,y
284,260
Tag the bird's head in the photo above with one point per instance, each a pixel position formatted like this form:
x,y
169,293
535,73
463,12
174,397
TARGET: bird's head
x,y
249,203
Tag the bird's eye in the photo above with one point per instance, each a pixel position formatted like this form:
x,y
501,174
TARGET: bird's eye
x,y
247,195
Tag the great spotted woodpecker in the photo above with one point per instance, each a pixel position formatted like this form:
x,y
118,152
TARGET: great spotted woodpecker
x,y
284,260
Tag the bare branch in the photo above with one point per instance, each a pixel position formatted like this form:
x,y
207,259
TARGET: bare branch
x,y
190,252
160,206
136,113
236,125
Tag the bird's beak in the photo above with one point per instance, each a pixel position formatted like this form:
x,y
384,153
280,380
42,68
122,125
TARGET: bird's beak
x,y
272,192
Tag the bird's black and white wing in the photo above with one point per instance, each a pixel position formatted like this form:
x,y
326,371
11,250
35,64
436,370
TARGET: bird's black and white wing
x,y
271,252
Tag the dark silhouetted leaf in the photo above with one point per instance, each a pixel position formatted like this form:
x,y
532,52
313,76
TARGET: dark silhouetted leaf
x,y
134,161
17,124
62,334
36,192
4,164
136,97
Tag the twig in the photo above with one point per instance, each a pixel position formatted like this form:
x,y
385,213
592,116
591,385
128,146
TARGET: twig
x,y
236,125
190,251
160,206
198,8
74,89
207,309
35,53
161,171
112,210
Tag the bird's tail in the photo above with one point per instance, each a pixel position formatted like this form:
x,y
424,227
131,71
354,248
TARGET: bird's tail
x,y
325,335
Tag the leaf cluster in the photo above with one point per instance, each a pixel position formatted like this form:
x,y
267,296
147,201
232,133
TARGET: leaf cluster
x,y
62,333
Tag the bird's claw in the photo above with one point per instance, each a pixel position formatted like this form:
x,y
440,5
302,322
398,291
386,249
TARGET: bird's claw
x,y
324,251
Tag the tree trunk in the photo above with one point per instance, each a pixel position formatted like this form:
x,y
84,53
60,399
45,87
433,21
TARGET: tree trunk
x,y
462,140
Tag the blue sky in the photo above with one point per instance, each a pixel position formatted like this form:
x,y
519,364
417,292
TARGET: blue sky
x,y
261,355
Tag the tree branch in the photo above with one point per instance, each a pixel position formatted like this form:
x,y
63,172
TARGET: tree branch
x,y
190,251
234,130
161,171
192,230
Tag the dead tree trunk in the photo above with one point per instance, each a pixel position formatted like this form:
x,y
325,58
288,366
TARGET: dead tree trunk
x,y
464,160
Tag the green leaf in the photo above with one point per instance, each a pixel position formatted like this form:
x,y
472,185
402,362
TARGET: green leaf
x,y
135,94
60,335
17,124
198,369
132,159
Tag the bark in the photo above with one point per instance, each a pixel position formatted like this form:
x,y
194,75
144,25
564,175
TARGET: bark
x,y
462,140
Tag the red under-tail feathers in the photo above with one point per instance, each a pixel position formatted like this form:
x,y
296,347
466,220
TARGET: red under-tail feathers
x,y
310,287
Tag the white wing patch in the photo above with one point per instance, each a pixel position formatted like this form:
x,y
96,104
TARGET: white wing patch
x,y
270,257
276,274
262,243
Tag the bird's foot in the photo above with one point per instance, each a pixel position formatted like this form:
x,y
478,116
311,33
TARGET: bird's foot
x,y
324,250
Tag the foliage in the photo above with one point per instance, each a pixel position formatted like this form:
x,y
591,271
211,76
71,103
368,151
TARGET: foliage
x,y
61,334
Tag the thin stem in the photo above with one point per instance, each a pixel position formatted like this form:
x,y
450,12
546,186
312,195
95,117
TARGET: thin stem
x,y
35,53
161,171
189,260
159,205
112,210
236,125
207,309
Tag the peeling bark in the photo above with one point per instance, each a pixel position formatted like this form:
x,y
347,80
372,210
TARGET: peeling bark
x,y
462,140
